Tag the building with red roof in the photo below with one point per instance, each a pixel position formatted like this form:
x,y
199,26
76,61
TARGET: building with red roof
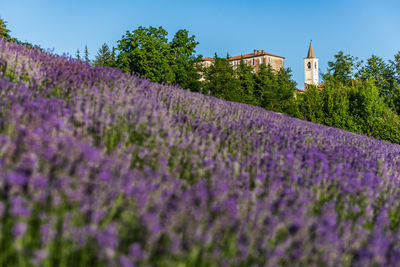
x,y
254,60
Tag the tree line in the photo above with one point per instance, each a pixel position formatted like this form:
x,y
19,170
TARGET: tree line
x,y
148,53
357,96
267,88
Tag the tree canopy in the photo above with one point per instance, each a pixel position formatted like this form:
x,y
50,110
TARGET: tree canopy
x,y
148,53
4,32
104,57
274,89
356,97
381,72
221,81
343,68
86,54
247,82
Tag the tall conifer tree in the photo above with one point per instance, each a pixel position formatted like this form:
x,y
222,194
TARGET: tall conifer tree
x,y
78,54
86,54
246,80
104,57
221,81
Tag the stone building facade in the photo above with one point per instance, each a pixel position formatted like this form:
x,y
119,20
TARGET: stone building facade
x,y
254,60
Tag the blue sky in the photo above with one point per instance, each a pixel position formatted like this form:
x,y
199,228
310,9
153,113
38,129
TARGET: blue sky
x,y
282,27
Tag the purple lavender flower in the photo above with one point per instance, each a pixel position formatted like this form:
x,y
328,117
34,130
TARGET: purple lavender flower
x,y
125,262
136,252
17,179
40,256
108,238
91,154
19,229
118,159
45,232
105,176
40,182
19,207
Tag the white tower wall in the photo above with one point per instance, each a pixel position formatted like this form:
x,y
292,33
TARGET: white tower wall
x,y
311,73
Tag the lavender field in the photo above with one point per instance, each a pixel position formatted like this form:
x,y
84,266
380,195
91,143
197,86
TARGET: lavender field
x,y
100,168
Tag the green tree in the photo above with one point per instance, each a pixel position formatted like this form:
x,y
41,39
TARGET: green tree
x,y
372,114
335,106
113,57
274,90
285,90
221,81
104,57
387,127
382,73
247,82
364,101
184,66
4,32
396,65
146,52
366,104
310,105
78,54
343,69
87,54
265,84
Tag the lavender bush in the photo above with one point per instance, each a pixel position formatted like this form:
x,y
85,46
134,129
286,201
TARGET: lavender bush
x,y
99,168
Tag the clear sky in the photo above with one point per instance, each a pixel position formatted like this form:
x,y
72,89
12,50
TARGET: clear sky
x,y
282,27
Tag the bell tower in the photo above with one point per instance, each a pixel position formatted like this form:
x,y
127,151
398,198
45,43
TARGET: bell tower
x,y
310,68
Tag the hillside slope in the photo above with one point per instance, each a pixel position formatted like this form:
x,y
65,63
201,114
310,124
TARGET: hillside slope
x,y
102,168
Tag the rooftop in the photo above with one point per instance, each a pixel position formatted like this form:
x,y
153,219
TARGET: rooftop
x,y
310,53
256,53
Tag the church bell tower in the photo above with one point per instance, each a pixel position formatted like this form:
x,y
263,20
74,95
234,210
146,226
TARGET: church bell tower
x,y
310,68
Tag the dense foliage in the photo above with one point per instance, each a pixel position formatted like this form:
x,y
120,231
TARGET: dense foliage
x,y
148,53
266,88
98,167
385,75
105,57
356,97
221,81
4,32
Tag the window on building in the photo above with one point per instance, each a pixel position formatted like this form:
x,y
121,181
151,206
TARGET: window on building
x,y
309,65
269,60
254,61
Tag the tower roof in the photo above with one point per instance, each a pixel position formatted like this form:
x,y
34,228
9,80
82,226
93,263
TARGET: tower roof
x,y
311,53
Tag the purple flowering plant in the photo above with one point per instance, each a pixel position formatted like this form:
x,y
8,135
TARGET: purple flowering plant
x,y
98,167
